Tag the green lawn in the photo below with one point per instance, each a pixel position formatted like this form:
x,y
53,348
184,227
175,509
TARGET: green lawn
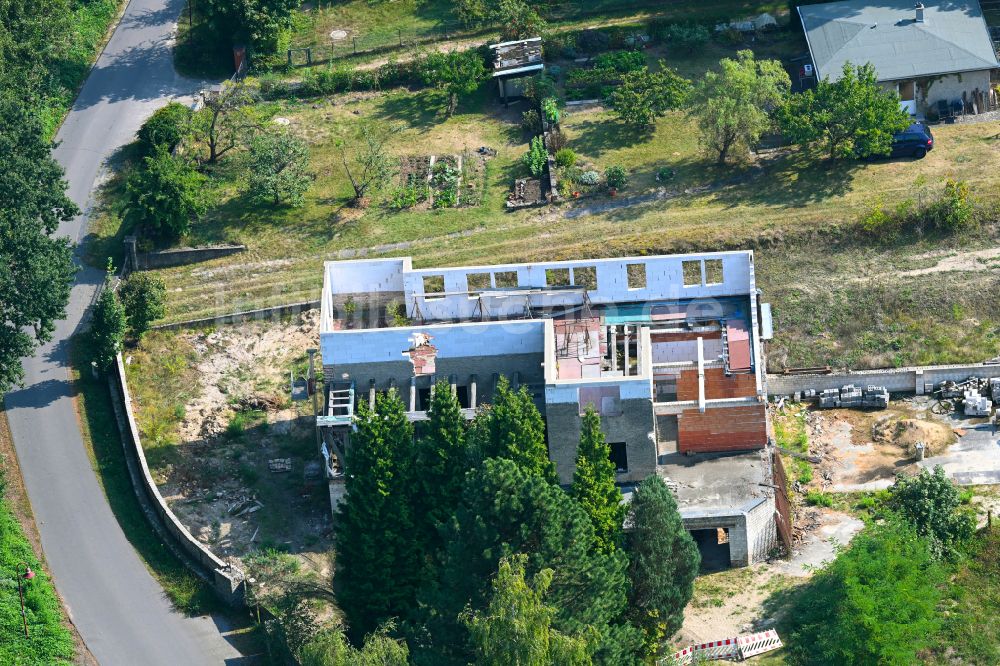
x,y
380,25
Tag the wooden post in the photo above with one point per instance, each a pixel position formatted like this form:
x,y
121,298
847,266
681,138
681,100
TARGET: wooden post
x,y
309,55
355,40
289,57
400,32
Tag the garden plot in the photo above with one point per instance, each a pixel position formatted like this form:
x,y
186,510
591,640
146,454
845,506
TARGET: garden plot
x,y
233,456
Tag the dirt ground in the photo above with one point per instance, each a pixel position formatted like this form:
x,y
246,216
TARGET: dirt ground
x,y
239,425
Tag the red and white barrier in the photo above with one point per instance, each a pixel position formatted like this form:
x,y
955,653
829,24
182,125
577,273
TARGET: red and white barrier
x,y
732,649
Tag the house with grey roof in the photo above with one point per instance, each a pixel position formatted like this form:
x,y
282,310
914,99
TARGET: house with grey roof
x,y
939,50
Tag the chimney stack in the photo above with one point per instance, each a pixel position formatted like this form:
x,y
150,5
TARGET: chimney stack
x,y
920,12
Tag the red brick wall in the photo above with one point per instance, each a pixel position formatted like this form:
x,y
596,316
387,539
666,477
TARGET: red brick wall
x,y
717,385
722,429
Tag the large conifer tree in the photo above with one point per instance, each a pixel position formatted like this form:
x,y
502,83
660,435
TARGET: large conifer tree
x,y
377,565
594,483
512,428
663,562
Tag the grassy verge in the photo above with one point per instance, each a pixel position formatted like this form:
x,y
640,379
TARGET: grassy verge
x,y
91,21
50,641
100,433
790,434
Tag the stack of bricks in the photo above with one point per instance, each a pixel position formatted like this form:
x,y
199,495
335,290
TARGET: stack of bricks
x,y
739,428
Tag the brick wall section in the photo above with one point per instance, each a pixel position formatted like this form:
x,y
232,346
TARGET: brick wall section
x,y
717,385
722,429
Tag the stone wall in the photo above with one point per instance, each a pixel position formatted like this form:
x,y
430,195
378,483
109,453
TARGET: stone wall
x,y
273,313
183,256
226,581
634,426
919,380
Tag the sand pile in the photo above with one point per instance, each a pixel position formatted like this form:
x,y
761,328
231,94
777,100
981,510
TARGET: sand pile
x,y
905,433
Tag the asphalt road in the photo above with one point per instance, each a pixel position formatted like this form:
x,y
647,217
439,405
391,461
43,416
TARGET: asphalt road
x,y
119,609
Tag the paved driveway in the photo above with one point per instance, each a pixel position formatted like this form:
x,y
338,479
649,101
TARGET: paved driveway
x,y
119,609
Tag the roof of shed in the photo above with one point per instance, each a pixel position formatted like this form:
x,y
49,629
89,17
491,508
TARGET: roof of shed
x,y
952,38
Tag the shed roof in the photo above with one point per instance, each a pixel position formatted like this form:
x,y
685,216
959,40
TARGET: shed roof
x,y
952,37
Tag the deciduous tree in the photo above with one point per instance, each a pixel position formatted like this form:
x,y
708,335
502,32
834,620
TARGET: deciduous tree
x,y
143,296
663,563
734,106
166,127
516,626
457,73
227,119
256,23
517,20
853,116
594,483
36,268
367,162
644,95
165,194
278,168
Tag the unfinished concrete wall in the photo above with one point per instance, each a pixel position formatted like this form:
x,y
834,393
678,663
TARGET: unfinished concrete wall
x,y
737,428
634,426
752,532
899,380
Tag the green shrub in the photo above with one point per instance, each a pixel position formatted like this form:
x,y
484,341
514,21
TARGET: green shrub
x,y
616,176
536,157
931,503
621,62
550,108
565,157
817,498
408,196
166,127
955,209
531,122
680,35
589,178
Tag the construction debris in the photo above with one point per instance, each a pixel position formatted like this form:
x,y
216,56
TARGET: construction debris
x,y
851,396
280,465
976,404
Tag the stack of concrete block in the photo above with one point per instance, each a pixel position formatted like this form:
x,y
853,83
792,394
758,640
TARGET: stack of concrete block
x,y
875,397
850,396
976,404
995,389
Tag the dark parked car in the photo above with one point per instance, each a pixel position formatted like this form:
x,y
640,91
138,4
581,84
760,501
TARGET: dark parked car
x,y
915,141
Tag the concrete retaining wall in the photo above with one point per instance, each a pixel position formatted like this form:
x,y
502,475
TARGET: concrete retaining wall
x,y
184,256
897,380
275,312
226,581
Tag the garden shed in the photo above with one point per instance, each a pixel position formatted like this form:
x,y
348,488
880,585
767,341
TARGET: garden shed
x,y
512,62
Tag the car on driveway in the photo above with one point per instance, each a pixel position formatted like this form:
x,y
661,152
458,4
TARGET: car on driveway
x,y
915,141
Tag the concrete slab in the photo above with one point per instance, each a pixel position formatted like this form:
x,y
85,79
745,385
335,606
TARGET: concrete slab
x,y
973,460
837,529
716,481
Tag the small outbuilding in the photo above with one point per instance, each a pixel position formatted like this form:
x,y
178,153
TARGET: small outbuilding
x,y
935,54
512,62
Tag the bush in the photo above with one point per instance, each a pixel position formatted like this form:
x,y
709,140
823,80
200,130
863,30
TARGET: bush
x,y
876,603
681,35
817,498
166,127
565,157
621,62
931,503
589,178
550,109
531,122
954,210
616,176
536,157
143,296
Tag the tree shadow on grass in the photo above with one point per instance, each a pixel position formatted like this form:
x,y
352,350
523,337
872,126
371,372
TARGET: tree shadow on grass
x,y
795,178
421,110
596,137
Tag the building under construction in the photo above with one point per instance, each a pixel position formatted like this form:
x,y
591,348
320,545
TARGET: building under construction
x,y
667,349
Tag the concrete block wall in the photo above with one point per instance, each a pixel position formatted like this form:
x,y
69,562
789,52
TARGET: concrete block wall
x,y
634,426
736,428
898,380
752,531
761,530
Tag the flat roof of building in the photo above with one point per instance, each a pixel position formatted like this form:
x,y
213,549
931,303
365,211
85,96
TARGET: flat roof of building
x,y
714,481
